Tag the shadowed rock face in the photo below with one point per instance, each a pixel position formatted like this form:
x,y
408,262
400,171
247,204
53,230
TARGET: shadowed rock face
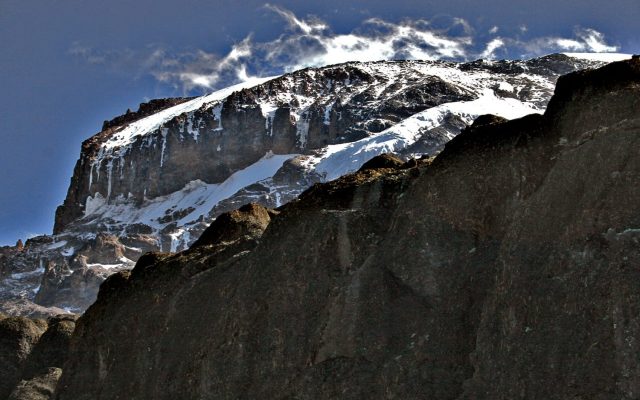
x,y
31,354
505,268
40,387
142,186
251,219
18,336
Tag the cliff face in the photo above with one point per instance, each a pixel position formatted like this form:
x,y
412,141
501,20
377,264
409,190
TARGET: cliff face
x,y
506,267
209,138
32,352
154,179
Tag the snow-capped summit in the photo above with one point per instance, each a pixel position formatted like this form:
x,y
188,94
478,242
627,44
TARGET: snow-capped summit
x,y
154,180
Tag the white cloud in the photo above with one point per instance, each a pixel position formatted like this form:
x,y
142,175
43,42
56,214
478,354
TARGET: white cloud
x,y
492,46
308,27
585,40
595,41
87,53
310,42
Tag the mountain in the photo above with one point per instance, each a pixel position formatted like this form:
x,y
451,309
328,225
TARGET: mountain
x,y
154,179
505,267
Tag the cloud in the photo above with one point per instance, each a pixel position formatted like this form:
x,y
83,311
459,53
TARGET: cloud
x,y
595,41
584,40
311,26
492,46
309,41
201,69
86,53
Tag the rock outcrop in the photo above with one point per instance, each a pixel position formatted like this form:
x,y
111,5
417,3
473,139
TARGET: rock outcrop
x,y
18,336
154,179
32,353
40,387
506,267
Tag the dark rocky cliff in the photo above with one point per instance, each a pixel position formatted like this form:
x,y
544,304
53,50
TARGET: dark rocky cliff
x,y
295,113
154,179
506,267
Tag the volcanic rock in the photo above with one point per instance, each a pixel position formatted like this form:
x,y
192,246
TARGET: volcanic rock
x,y
18,336
504,268
153,180
40,387
250,220
383,161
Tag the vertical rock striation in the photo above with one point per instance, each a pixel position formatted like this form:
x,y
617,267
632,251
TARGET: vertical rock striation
x,y
503,268
154,179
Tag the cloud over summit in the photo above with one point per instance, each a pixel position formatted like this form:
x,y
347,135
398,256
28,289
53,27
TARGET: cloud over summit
x,y
310,41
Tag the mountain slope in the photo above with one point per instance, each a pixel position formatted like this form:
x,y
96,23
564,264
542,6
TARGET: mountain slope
x,y
503,268
155,179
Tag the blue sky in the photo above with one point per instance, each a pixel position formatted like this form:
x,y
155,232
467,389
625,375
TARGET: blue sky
x,y
65,66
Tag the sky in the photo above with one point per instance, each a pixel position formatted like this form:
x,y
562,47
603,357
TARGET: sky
x,y
68,65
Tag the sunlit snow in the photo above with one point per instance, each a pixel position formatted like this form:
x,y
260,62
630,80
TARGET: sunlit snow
x,y
196,194
604,57
341,159
153,122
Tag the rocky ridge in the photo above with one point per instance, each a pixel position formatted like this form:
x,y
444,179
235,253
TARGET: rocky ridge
x,y
505,267
154,179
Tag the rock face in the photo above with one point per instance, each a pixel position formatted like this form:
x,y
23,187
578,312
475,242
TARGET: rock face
x,y
154,179
18,336
40,387
504,268
32,353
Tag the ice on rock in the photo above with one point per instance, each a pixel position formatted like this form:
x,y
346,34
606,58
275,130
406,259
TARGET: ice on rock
x,y
200,196
217,115
268,112
342,159
327,114
155,121
603,57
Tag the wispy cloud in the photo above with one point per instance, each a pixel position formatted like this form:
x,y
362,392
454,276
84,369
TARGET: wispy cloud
x,y
310,41
492,47
308,27
585,39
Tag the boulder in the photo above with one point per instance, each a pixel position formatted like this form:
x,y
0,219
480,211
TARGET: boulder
x,y
18,336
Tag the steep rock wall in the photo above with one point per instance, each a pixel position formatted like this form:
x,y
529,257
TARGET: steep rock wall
x,y
292,114
504,268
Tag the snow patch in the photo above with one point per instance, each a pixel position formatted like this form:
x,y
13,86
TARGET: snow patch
x,y
93,204
57,245
345,158
505,86
68,252
110,266
153,122
21,275
268,112
604,57
198,196
217,115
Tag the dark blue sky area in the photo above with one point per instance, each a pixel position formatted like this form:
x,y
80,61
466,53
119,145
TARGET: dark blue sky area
x,y
65,66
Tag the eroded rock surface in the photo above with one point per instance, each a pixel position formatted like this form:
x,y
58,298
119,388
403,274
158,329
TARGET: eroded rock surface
x,y
506,267
32,353
39,387
18,336
154,179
